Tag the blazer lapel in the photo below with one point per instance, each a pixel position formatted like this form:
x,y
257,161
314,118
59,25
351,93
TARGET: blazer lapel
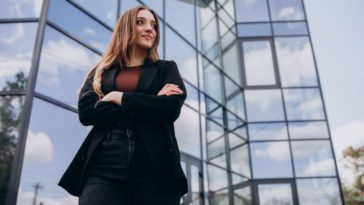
x,y
148,72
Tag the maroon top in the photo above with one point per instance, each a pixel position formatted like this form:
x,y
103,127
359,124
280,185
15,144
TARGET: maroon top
x,y
127,79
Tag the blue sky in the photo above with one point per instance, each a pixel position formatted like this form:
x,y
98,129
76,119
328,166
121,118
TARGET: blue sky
x,y
337,30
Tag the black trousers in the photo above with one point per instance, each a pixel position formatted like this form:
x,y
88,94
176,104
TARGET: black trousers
x,y
120,172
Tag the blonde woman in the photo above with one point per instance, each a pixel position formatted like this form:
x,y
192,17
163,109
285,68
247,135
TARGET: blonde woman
x,y
131,98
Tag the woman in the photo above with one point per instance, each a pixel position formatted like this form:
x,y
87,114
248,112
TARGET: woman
x,y
131,99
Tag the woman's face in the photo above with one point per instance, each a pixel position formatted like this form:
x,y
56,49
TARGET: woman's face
x,y
145,30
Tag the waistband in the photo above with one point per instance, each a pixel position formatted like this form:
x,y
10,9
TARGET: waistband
x,y
121,132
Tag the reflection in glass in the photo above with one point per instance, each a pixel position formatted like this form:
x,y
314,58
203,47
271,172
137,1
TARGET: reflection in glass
x,y
318,191
235,140
187,128
233,121
258,59
156,5
185,11
217,178
219,198
79,24
11,108
313,158
241,131
274,194
308,130
105,10
63,66
295,60
236,105
242,196
286,10
267,131
49,149
271,160
264,105
220,161
216,148
290,28
251,11
212,82
213,130
185,57
20,9
231,63
16,51
125,5
230,87
240,161
206,27
192,97
303,104
226,40
195,185
258,29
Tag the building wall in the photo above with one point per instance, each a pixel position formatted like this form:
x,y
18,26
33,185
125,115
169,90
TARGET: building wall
x,y
253,129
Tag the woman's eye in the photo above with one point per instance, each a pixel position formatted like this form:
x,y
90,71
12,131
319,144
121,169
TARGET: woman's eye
x,y
139,21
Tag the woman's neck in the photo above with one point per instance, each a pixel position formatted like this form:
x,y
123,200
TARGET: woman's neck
x,y
137,57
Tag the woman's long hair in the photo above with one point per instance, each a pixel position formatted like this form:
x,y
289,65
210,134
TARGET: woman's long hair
x,y
120,47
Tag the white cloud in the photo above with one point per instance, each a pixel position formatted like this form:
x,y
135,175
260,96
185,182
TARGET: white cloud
x,y
13,64
350,134
320,168
13,35
289,12
188,70
279,192
39,148
37,6
309,130
276,150
89,31
263,98
26,197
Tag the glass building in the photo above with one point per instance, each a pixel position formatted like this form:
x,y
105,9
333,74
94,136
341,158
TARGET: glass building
x,y
253,129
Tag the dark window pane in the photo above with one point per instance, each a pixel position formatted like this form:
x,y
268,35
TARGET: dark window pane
x,y
318,191
63,66
262,29
79,24
105,10
11,108
187,129
20,9
313,158
16,51
271,160
50,147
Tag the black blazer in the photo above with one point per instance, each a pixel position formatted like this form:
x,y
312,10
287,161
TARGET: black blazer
x,y
154,116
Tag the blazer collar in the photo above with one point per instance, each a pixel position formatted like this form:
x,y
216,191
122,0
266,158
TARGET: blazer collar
x,y
148,73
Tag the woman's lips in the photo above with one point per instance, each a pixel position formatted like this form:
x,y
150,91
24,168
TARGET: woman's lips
x,y
147,37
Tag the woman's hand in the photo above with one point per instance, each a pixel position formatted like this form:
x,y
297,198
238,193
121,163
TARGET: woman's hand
x,y
114,97
170,89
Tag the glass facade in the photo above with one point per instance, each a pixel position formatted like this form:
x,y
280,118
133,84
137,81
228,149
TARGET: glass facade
x,y
253,129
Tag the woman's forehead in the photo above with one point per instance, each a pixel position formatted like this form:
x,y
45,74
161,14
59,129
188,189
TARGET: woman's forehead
x,y
146,14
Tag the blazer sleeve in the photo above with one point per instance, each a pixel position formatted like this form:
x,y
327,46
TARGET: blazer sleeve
x,y
92,111
153,107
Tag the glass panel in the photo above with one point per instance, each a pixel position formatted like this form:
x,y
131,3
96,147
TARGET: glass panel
x,y
291,28
295,60
11,108
242,196
308,130
219,161
242,132
274,194
313,158
226,18
227,39
213,130
271,160
195,186
240,161
63,58
235,140
105,10
262,29
303,104
192,96
236,105
258,59
219,198
185,57
251,10
186,12
79,24
233,121
318,191
16,51
230,86
216,148
156,5
264,105
286,10
187,128
216,115
20,9
50,147
231,63
267,131
212,82
237,178
217,178
125,5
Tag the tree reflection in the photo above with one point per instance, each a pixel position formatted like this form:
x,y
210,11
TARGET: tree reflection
x,y
9,120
